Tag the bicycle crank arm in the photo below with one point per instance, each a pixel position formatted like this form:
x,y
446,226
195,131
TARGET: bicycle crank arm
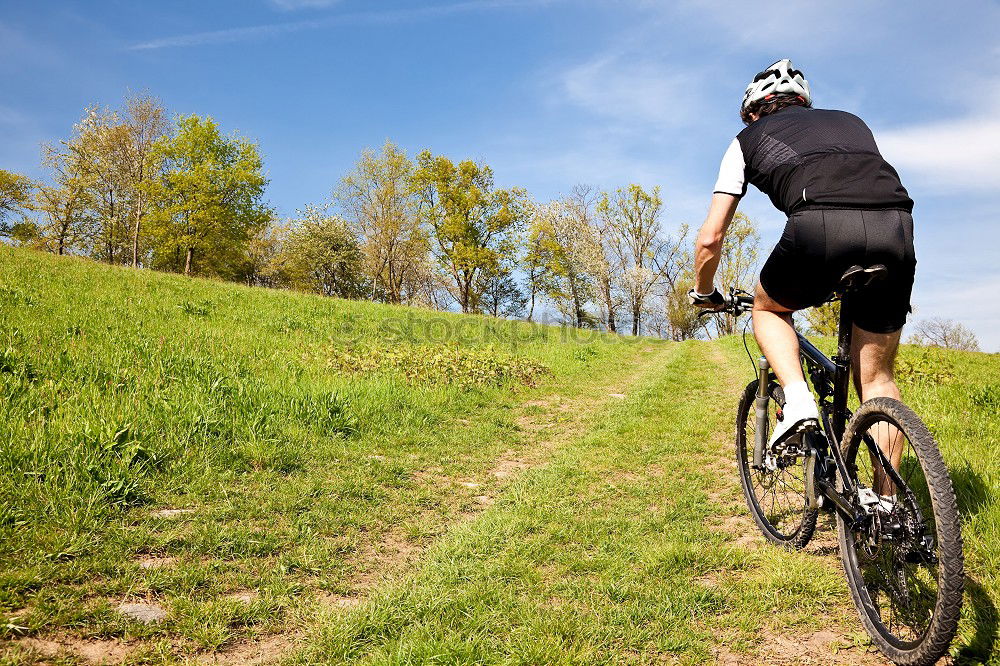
x,y
843,505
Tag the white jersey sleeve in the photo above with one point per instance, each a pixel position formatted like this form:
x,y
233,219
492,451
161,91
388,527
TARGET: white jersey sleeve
x,y
732,176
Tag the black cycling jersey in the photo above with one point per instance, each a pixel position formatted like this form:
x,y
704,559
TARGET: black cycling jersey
x,y
816,158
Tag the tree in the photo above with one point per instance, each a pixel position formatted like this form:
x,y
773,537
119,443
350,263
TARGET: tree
x,y
563,240
378,200
105,166
321,255
945,333
473,223
737,266
208,201
824,319
93,154
144,124
15,198
501,296
261,260
682,320
536,264
69,223
630,223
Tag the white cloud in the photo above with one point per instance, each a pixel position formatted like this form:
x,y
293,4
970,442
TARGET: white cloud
x,y
971,303
951,155
230,35
630,91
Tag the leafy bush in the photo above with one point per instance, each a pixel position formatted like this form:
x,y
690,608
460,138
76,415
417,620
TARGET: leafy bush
x,y
325,412
199,309
12,296
986,397
439,364
924,366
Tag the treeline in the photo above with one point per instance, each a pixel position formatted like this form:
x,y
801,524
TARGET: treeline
x,y
131,186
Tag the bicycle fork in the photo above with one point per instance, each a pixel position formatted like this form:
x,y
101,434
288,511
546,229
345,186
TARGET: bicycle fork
x,y
760,407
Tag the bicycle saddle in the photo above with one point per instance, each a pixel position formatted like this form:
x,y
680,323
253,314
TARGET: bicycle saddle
x,y
857,277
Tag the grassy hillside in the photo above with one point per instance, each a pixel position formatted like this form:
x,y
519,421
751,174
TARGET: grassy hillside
x,y
281,477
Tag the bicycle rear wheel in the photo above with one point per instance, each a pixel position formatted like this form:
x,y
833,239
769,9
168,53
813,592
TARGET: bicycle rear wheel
x,y
775,493
904,564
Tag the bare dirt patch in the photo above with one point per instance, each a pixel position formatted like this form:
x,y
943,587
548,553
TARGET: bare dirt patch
x,y
243,596
819,647
171,513
267,650
155,562
339,600
89,651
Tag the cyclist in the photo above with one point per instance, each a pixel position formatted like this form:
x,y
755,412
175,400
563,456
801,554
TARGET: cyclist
x,y
845,205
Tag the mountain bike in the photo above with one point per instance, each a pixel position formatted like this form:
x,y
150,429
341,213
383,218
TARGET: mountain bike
x,y
898,526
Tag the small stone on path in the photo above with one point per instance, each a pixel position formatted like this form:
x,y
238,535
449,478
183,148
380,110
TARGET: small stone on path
x,y
620,396
468,484
171,513
145,613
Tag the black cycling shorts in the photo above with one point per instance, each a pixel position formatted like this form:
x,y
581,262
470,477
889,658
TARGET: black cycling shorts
x,y
818,245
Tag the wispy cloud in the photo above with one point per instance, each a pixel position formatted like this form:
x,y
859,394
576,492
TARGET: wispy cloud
x,y
957,299
292,5
629,90
950,155
356,18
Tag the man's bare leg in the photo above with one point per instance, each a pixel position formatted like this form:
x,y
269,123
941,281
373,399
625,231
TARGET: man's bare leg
x,y
772,327
872,358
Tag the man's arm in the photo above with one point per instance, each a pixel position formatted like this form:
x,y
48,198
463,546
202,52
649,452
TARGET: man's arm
x,y
708,247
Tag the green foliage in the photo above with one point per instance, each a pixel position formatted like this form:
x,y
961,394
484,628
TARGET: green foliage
x,y
199,309
473,223
737,266
320,254
208,203
439,364
986,397
378,200
15,197
928,366
825,319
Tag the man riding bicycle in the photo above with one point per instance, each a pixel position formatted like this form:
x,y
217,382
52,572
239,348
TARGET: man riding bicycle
x,y
845,206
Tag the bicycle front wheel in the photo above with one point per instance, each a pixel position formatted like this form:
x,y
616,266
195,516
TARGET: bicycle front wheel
x,y
904,561
775,492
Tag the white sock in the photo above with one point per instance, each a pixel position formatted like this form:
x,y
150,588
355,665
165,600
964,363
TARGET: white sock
x,y
797,394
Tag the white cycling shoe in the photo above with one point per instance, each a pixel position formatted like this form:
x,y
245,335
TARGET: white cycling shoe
x,y
797,417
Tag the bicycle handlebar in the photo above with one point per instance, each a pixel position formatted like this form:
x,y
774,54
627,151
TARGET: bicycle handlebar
x,y
735,303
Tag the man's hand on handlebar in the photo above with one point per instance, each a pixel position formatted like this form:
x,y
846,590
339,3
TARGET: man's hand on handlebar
x,y
712,301
736,302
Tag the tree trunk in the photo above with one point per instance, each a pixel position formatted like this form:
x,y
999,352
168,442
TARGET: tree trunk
x,y
635,322
135,233
187,261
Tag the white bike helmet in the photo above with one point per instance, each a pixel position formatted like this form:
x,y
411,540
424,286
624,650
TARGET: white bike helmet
x,y
778,79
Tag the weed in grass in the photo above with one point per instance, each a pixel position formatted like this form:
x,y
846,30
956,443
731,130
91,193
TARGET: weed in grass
x,y
439,364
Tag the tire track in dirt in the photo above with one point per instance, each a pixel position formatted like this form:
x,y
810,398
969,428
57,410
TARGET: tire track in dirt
x,y
546,423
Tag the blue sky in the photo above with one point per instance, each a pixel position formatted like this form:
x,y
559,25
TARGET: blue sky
x,y
550,93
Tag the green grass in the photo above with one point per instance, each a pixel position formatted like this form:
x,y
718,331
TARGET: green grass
x,y
388,485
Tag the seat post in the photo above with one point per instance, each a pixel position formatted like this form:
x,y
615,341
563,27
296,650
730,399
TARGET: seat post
x,y
842,361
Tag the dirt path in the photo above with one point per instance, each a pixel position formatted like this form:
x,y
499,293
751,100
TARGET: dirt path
x,y
545,422
778,645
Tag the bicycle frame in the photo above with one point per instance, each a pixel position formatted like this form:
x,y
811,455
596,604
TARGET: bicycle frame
x,y
831,379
